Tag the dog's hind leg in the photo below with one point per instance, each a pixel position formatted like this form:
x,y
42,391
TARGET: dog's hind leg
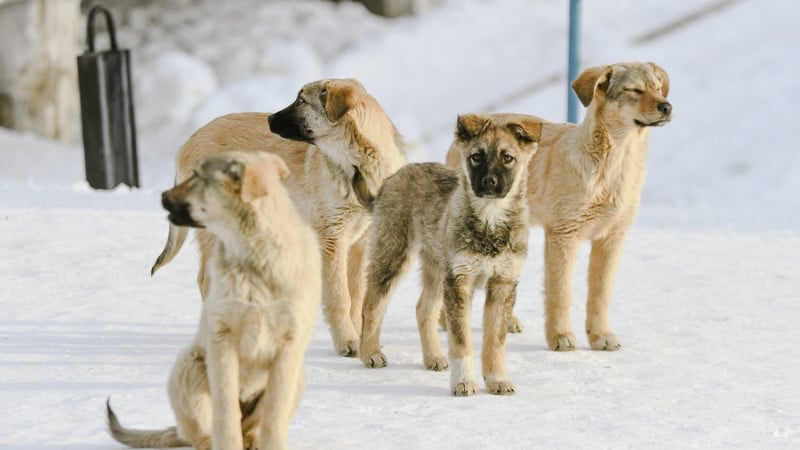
x,y
429,310
559,261
190,398
500,292
390,258
603,263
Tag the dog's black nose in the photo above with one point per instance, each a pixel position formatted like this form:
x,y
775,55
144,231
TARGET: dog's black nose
x,y
665,108
489,181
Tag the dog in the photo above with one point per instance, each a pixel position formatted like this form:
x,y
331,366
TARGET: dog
x,y
470,229
240,381
585,183
333,134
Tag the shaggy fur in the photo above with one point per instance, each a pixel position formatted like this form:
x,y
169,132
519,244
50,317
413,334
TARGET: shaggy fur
x,y
333,134
470,230
238,385
585,184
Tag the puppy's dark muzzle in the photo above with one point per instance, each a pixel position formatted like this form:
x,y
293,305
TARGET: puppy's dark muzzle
x,y
287,125
178,211
490,186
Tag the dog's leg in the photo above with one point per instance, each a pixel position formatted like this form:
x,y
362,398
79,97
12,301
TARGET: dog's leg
x,y
559,261
190,398
223,378
356,279
206,244
429,310
603,263
513,324
500,293
388,262
281,396
458,305
336,292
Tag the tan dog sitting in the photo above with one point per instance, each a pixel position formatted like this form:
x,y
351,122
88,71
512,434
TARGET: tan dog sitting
x,y
584,184
239,383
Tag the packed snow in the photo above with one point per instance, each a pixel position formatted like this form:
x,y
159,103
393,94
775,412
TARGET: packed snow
x,y
706,299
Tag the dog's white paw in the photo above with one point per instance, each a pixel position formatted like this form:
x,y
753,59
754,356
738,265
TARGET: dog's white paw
x,y
348,348
465,389
562,342
437,364
501,387
608,342
375,361
514,325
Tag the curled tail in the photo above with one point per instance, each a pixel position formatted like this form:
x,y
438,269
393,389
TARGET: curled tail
x,y
175,239
166,438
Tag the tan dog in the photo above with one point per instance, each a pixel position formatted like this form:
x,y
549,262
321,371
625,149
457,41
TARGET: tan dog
x,y
470,229
239,383
585,184
353,140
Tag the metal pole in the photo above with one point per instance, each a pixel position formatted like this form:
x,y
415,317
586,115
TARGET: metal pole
x,y
573,59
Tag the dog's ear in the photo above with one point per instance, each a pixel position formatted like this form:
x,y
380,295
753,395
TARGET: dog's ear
x,y
588,80
662,75
337,99
256,173
471,125
526,130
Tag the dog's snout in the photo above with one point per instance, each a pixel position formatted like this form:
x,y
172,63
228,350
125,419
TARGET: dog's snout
x,y
166,201
665,108
489,181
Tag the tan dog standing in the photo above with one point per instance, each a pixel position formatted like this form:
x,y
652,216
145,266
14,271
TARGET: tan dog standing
x,y
335,133
585,183
470,230
240,382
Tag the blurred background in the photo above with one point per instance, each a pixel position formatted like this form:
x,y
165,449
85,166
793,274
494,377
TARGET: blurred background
x,y
731,63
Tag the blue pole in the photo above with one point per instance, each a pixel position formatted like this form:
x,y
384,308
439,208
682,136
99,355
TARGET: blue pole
x,y
573,60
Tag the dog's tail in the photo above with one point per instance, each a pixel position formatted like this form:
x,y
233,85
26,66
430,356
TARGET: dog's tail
x,y
175,240
167,438
363,194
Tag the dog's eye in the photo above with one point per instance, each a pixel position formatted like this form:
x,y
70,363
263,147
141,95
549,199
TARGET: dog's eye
x,y
476,158
635,91
508,159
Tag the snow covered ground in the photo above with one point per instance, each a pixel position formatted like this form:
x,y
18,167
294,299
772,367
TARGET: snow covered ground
x,y
706,300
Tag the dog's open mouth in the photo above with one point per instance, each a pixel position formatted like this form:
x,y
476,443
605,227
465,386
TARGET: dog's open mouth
x,y
657,123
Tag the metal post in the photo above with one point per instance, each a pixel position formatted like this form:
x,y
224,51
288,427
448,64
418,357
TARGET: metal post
x,y
573,59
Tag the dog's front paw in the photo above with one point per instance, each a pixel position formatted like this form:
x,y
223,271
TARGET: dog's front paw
x,y
348,348
608,342
514,325
562,342
501,387
374,361
465,389
437,363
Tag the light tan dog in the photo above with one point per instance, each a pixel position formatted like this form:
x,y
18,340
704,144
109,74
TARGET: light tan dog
x,y
335,133
585,183
239,383
470,228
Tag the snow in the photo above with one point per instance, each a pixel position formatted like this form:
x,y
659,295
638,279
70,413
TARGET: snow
x,y
706,300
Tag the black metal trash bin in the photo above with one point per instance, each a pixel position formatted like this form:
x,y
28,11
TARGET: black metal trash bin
x,y
106,92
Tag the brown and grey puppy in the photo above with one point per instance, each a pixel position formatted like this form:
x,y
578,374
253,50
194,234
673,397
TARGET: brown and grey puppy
x,y
239,383
332,134
585,183
470,229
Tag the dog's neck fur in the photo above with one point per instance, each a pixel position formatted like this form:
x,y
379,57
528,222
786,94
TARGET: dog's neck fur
x,y
244,243
610,149
491,225
380,152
